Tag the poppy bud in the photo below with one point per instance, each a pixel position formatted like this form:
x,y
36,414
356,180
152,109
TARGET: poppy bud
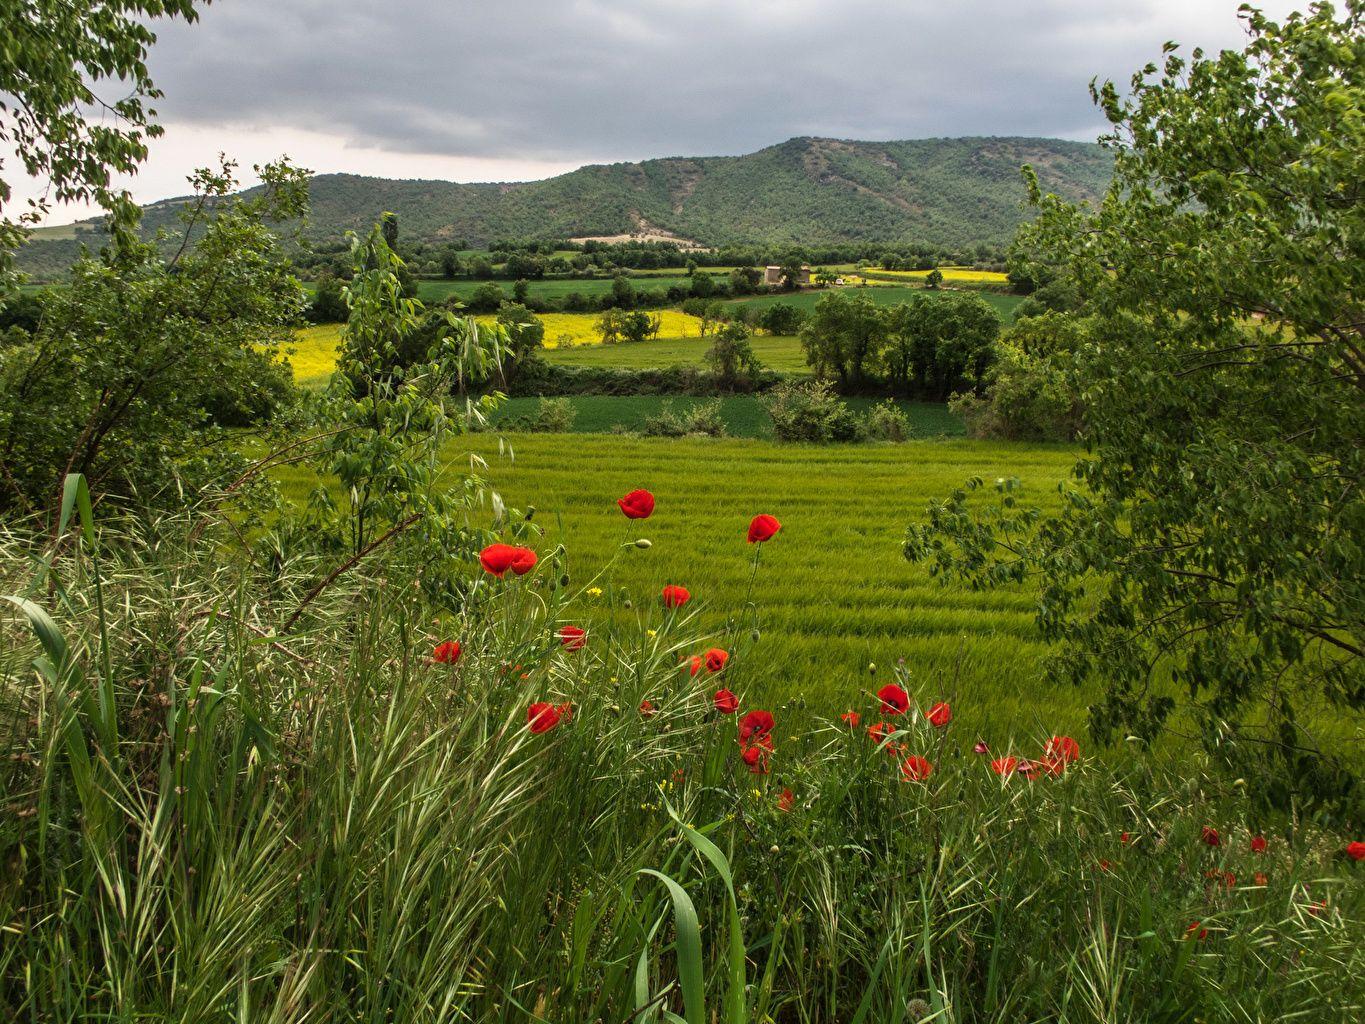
x,y
872,668
564,580
774,849
755,635
644,544
628,604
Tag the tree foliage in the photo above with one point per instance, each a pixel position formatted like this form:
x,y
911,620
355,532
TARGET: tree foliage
x,y
55,55
134,359
1210,557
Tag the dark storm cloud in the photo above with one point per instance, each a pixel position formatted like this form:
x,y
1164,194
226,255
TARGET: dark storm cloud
x,y
588,79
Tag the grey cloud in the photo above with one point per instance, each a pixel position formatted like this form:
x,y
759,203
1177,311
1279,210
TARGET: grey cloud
x,y
592,79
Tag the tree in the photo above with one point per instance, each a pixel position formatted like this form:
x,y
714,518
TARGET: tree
x,y
329,304
781,318
744,280
486,298
622,293
933,279
791,266
844,337
521,290
525,336
138,361
731,355
1208,559
56,53
450,264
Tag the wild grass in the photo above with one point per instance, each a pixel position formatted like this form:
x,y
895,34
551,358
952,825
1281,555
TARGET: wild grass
x,y
212,817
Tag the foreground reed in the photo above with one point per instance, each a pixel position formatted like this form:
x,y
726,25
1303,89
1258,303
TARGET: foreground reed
x,y
560,806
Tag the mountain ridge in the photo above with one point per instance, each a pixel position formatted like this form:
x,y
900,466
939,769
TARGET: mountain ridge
x,y
809,189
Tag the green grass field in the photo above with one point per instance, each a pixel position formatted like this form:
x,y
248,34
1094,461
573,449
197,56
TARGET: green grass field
x,y
833,592
743,415
889,295
781,353
438,291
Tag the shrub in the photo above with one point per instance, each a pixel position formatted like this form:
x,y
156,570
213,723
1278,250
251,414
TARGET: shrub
x,y
552,416
886,421
810,411
701,418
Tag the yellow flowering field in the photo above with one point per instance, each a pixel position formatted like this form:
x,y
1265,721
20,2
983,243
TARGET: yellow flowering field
x,y
964,274
564,329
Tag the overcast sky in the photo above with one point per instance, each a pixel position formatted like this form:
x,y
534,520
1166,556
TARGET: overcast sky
x,y
517,89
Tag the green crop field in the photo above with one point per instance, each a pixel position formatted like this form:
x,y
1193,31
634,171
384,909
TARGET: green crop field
x,y
743,415
833,592
429,290
781,353
1005,305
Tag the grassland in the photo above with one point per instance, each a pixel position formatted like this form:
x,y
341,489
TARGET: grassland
x,y
883,295
782,353
833,593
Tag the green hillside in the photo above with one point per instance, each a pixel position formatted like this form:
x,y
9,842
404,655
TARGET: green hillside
x,y
943,192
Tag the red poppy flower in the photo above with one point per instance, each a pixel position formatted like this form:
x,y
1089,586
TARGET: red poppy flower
x,y
763,527
523,560
879,732
981,748
756,758
940,715
646,709
1258,844
852,718
726,702
695,663
916,769
895,701
716,659
755,726
565,710
497,558
1123,838
676,597
1210,836
542,716
1063,749
637,504
1105,865
447,653
1261,878
1196,931
572,637
1005,765
786,801
1027,768
1356,850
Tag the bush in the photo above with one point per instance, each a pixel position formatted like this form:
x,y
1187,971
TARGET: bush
x,y
538,377
810,411
702,418
886,421
552,416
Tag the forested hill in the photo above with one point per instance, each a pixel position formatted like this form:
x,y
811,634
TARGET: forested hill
x,y
946,192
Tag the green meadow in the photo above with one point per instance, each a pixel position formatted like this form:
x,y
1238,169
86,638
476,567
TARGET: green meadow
x,y
889,295
430,290
832,595
781,353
